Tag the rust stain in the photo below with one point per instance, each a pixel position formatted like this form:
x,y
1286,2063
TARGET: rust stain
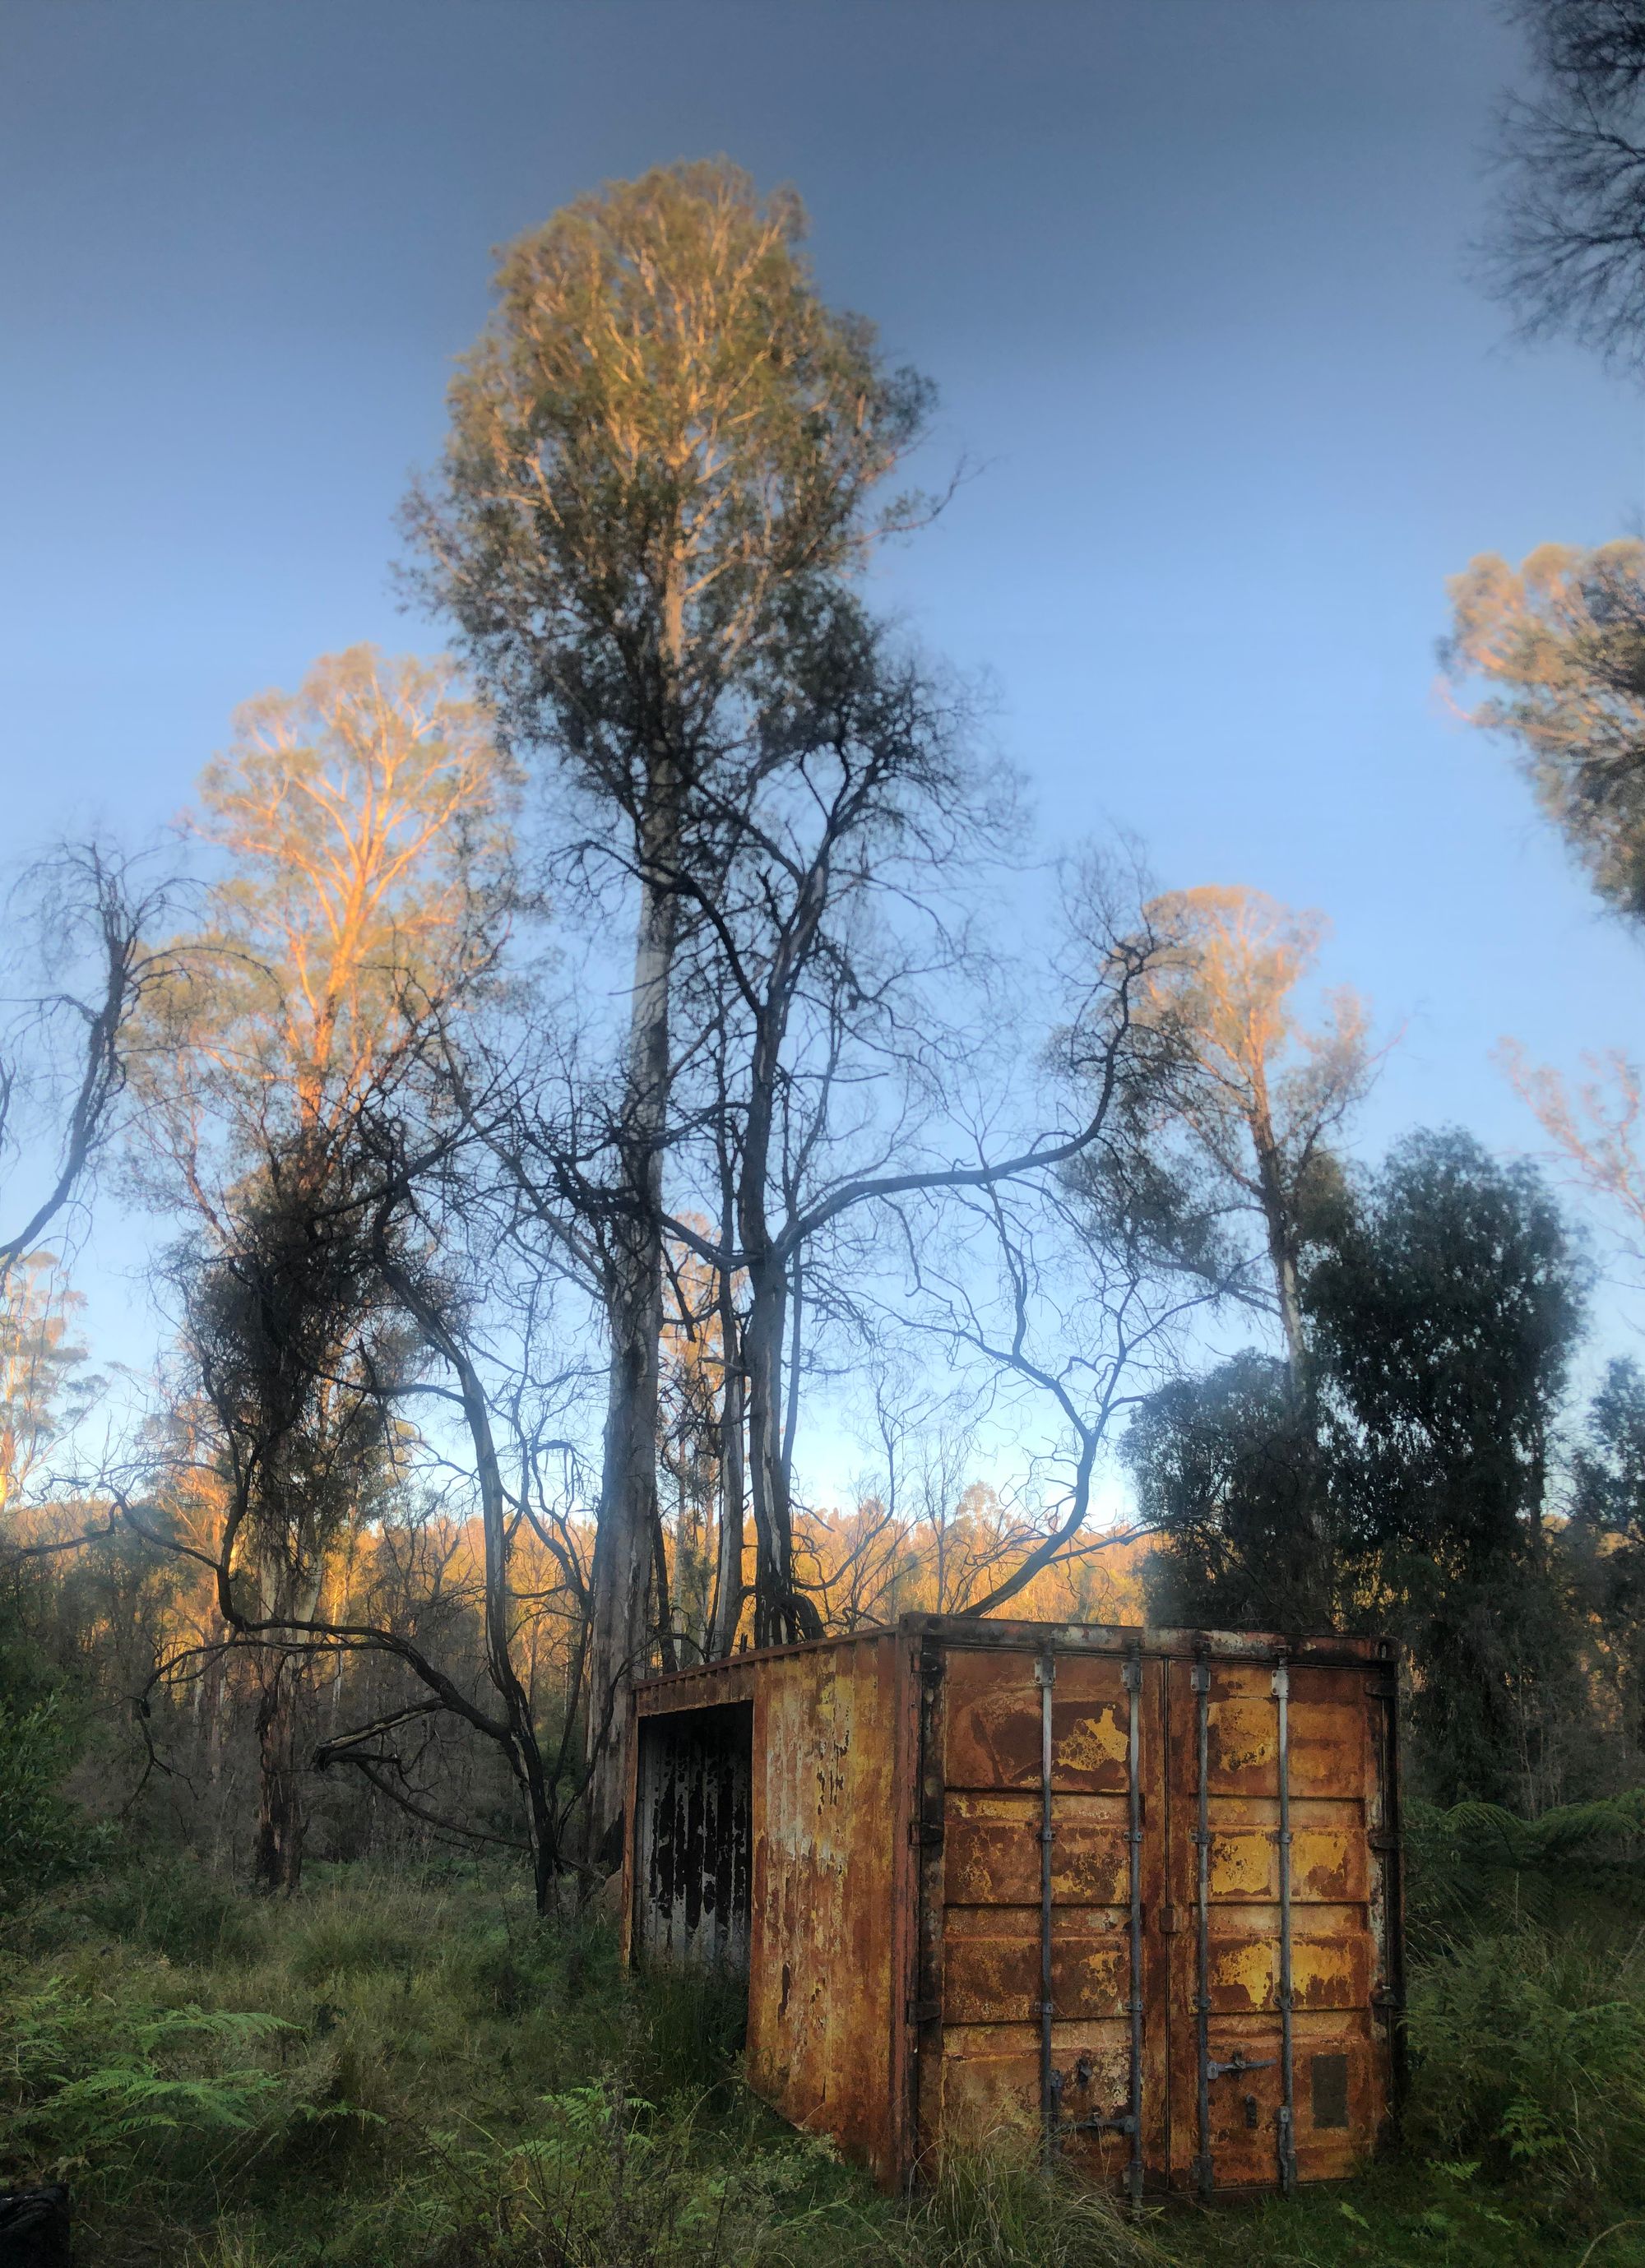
x,y
1243,1865
1244,1747
1328,1866
692,1795
888,1818
1241,1976
1093,1746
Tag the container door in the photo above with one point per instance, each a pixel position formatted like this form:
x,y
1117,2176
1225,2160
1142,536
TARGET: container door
x,y
1255,1757
1066,2085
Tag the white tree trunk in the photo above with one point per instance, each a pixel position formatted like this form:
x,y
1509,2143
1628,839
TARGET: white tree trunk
x,y
628,1493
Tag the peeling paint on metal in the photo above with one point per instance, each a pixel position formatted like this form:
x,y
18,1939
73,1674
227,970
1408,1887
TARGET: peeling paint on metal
x,y
693,1799
895,1915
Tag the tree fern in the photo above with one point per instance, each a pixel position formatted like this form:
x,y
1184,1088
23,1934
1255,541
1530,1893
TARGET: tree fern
x,y
87,2079
1478,1867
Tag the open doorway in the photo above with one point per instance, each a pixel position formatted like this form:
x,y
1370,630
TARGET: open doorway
x,y
694,1836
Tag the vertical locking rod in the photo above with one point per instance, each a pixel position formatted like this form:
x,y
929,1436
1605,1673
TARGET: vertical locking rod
x,y
1287,2106
1045,1672
1134,1840
1200,1678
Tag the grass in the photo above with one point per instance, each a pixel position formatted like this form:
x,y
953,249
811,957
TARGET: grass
x,y
388,2072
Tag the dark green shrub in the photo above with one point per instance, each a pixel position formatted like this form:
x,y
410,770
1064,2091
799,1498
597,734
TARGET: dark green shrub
x,y
606,2180
1530,2059
177,1907
512,1970
98,2084
42,1836
1480,1868
353,1940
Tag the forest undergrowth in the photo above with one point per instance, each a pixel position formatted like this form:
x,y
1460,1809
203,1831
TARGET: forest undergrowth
x,y
394,2072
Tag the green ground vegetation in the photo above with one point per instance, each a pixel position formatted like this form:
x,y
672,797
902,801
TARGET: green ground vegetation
x,y
415,2071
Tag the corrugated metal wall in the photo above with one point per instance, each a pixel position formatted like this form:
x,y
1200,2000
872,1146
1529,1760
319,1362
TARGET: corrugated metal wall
x,y
1013,1905
1127,1898
831,1905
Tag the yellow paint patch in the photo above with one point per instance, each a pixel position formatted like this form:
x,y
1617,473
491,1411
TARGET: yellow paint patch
x,y
1321,1866
1242,1866
1244,1738
1243,1972
1090,1742
1318,1969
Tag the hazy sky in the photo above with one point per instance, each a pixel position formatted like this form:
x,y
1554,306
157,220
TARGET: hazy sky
x,y
1190,274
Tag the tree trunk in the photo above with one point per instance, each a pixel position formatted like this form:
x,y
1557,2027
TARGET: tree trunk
x,y
729,1569
763,1344
661,1616
283,1678
520,1744
215,1686
517,1734
774,1596
278,1855
628,1491
782,1612
1310,1553
1277,1220
1535,1498
728,1554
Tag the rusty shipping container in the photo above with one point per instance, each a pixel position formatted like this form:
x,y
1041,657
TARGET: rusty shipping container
x,y
1134,1894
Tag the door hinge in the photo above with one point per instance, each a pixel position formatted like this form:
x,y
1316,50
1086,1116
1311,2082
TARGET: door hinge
x,y
1170,1921
927,1833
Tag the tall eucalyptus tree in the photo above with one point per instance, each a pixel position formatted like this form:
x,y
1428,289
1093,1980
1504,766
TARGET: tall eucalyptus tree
x,y
662,446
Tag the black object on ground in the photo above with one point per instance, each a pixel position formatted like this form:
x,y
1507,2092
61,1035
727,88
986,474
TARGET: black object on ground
x,y
35,2228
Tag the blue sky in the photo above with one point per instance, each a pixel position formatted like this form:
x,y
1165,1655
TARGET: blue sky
x,y
1190,274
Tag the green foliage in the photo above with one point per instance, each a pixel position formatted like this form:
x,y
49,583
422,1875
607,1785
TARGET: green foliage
x,y
173,1906
608,2181
1411,2216
661,437
42,1836
1610,1462
1443,1297
1445,1310
1557,645
995,2210
1531,2059
1479,1869
1226,1469
378,2071
1605,1541
386,2073
91,2081
44,1387
1527,2018
510,1966
342,1943
691,2024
